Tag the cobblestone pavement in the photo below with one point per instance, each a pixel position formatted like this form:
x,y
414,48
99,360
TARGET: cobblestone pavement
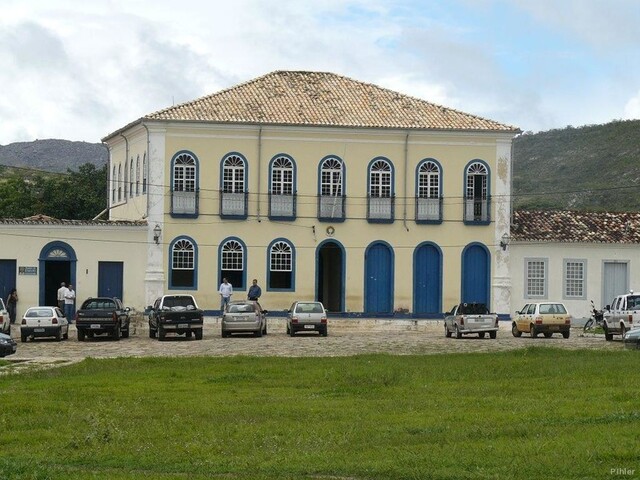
x,y
346,337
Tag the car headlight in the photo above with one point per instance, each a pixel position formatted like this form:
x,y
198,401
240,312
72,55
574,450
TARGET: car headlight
x,y
4,341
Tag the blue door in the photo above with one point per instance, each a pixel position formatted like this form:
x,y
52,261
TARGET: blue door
x,y
378,270
110,279
427,280
7,277
475,274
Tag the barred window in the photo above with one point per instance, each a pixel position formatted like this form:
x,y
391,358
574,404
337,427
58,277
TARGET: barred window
x,y
184,173
536,278
233,174
429,180
282,176
331,176
380,179
574,273
477,181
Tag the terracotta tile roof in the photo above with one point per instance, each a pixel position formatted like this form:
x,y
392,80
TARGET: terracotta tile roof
x,y
46,220
571,226
322,99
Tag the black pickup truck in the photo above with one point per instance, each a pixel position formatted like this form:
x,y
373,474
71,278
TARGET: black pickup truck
x,y
177,314
102,315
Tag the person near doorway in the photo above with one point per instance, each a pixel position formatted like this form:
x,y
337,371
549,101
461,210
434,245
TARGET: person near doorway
x,y
69,303
12,304
225,291
254,291
61,290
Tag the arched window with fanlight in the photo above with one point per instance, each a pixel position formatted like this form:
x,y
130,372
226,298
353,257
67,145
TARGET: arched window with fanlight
x,y
184,185
131,178
282,188
144,172
138,175
331,191
114,183
281,272
476,194
184,262
428,192
380,204
119,182
233,186
232,256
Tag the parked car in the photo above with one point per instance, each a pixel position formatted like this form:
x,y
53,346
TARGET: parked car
x,y
100,315
44,322
245,316
545,317
467,318
307,317
623,314
8,345
631,339
5,324
177,314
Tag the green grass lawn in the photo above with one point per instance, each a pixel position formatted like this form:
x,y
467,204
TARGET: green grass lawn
x,y
529,414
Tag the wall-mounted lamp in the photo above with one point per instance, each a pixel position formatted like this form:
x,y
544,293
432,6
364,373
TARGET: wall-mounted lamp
x,y
156,233
504,243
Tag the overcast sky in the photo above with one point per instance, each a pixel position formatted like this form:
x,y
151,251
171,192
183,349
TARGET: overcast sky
x,y
79,69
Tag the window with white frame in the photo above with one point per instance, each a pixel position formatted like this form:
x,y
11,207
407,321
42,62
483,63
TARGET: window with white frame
x,y
233,195
183,264
184,193
280,266
574,279
232,263
536,278
428,197
380,201
331,199
476,193
281,198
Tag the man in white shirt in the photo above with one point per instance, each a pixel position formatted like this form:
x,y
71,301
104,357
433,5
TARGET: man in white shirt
x,y
69,303
225,291
61,290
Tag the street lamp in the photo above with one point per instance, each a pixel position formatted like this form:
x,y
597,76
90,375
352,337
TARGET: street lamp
x,y
504,243
156,233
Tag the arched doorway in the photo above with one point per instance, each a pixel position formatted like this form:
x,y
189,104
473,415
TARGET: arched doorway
x,y
427,279
57,264
476,270
378,286
330,261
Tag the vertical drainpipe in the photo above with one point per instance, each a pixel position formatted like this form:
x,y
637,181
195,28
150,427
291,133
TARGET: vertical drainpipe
x,y
406,175
259,165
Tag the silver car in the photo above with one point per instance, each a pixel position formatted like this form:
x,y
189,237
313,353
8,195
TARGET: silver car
x,y
245,316
5,323
307,317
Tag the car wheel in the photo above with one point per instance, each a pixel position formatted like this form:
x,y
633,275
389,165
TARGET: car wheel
x,y
161,333
288,330
23,338
59,334
623,329
514,330
447,332
116,333
547,334
481,334
534,332
198,334
323,331
80,335
125,332
152,333
566,334
258,333
292,332
457,331
264,330
608,336
224,333
493,335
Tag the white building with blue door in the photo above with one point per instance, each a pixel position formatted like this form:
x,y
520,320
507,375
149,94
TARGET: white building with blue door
x,y
321,187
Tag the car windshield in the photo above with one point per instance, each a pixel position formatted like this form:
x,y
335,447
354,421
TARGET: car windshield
x,y
552,308
99,304
633,302
241,307
39,312
309,308
473,309
178,303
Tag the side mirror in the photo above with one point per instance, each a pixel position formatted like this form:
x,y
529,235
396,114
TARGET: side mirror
x,y
265,312
127,309
608,308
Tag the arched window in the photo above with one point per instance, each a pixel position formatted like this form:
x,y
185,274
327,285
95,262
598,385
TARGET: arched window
x,y
184,191
380,201
126,179
281,266
183,264
428,195
477,193
114,183
232,263
138,175
144,173
331,194
131,178
233,197
119,182
282,188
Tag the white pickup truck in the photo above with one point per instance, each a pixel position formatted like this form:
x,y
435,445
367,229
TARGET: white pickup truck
x,y
470,318
623,314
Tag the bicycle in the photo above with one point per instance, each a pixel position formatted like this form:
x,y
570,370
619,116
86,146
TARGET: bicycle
x,y
596,323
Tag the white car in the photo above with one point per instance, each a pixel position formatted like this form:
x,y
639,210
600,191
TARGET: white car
x,y
44,322
5,323
307,317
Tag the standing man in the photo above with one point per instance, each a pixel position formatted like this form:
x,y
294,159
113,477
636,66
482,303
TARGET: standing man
x,y
254,291
61,290
69,301
225,291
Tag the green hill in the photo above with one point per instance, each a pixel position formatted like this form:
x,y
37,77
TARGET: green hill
x,y
595,168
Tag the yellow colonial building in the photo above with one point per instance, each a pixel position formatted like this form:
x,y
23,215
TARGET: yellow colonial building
x,y
321,187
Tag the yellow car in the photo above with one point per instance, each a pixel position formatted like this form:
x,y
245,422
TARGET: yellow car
x,y
546,318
